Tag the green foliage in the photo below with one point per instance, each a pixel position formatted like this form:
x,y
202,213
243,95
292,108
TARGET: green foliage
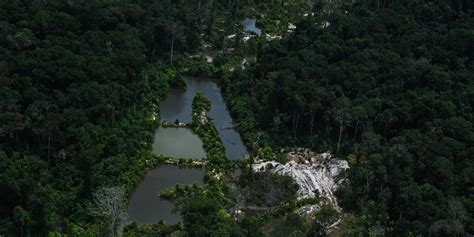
x,y
205,208
240,108
193,67
77,231
390,82
264,153
268,189
180,191
206,215
159,229
274,16
205,129
327,215
176,80
78,107
292,225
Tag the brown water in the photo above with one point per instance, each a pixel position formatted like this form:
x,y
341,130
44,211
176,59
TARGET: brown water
x,y
145,207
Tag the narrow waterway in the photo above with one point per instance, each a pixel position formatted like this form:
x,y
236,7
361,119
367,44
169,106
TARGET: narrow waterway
x,y
144,205
178,106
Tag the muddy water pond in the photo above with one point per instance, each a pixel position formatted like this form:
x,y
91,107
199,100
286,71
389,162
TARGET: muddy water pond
x,y
178,143
145,207
178,106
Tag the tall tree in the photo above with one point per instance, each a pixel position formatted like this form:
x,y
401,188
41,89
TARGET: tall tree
x,y
109,203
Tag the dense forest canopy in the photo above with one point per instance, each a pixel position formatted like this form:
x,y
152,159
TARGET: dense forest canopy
x,y
78,83
390,86
386,84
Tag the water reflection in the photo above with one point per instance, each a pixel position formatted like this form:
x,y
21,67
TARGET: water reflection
x,y
178,106
145,207
249,26
178,143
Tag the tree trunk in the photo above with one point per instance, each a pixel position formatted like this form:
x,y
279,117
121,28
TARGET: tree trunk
x,y
355,130
296,124
293,123
16,138
112,231
313,115
172,49
339,140
49,146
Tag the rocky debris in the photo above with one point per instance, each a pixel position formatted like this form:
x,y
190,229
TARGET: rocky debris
x,y
272,37
325,24
209,59
154,116
247,38
202,56
307,211
291,26
184,162
244,64
237,214
316,174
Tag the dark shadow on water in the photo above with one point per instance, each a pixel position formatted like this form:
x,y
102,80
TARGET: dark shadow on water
x,y
145,207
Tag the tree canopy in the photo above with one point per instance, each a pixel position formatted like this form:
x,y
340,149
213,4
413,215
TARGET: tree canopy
x,y
388,84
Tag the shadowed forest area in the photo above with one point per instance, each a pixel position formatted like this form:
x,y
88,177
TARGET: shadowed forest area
x,y
387,85
78,84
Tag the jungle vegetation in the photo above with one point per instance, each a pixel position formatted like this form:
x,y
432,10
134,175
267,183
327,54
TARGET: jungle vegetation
x,y
386,84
